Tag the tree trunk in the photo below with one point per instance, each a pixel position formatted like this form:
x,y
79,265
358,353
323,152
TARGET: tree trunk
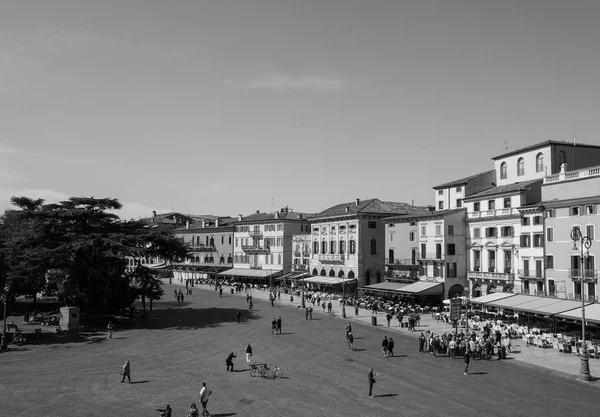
x,y
144,302
151,304
34,300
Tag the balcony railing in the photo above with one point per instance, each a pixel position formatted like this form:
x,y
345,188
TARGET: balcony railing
x,y
401,261
432,256
528,273
202,248
331,259
255,234
255,266
304,254
255,249
301,268
492,275
493,213
588,274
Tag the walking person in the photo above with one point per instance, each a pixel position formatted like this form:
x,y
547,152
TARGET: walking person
x,y
388,317
126,372
310,310
229,361
421,342
274,326
391,347
350,340
306,313
250,305
356,309
110,329
221,292
279,324
238,316
371,382
467,360
248,353
329,306
204,394
323,305
452,348
384,346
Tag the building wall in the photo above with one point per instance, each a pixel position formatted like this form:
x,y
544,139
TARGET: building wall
x,y
337,230
531,280
530,166
449,198
372,265
572,184
223,243
481,183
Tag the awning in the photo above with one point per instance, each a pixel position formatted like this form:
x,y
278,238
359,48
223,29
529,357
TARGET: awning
x,y
384,286
491,297
512,303
423,288
545,305
327,280
289,275
592,313
251,273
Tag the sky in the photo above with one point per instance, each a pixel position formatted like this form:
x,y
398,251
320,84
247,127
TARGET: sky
x,y
228,107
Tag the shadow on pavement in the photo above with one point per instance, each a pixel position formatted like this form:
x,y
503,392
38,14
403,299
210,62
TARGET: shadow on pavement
x,y
385,395
223,415
139,382
193,318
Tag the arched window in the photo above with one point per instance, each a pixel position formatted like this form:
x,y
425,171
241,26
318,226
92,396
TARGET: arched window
x,y
297,248
373,246
503,173
315,247
315,272
341,274
207,240
539,162
323,273
332,246
352,250
279,259
222,259
342,246
521,166
197,240
271,259
324,246
562,158
222,239
351,274
332,273
230,239
212,241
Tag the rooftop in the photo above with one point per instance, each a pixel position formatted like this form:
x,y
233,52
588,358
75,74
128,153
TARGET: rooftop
x,y
542,145
209,224
373,205
427,215
502,189
462,181
274,217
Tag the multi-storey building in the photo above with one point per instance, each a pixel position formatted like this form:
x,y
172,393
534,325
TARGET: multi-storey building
x,y
451,195
530,253
435,246
348,240
263,244
571,199
301,254
210,241
494,220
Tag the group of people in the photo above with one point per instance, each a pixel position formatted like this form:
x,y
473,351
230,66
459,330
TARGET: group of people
x,y
387,347
179,296
276,326
460,344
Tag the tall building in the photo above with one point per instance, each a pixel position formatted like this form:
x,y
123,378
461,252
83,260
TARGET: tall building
x,y
451,195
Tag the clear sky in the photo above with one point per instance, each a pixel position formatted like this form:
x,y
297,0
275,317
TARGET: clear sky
x,y
225,107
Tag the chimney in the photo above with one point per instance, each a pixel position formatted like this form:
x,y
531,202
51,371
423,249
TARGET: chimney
x,y
240,218
300,216
276,215
153,213
187,225
257,211
347,209
203,223
217,222
357,201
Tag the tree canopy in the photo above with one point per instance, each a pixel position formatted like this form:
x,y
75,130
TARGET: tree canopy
x,y
80,248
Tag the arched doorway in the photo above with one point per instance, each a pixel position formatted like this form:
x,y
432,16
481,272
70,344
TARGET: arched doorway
x,y
351,275
332,273
476,291
315,272
367,277
455,290
323,272
341,274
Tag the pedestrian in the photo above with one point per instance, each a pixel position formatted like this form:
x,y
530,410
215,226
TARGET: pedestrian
x,y
306,313
247,297
126,372
452,348
238,315
165,412
421,342
221,292
391,347
272,299
384,346
181,295
310,310
229,361
176,295
350,340
291,298
193,411
110,329
250,305
467,360
356,309
204,394
279,324
248,352
329,306
348,328
274,326
388,317
371,382
323,305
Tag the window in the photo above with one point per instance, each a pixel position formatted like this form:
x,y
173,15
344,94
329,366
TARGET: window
x,y
537,220
458,203
521,166
579,229
451,249
491,205
332,229
550,261
411,236
324,247
352,228
342,247
491,261
550,213
324,229
477,261
316,247
423,250
222,239
590,210
490,232
575,211
451,270
438,229
438,251
507,231
372,225
450,230
352,247
332,247
412,223
507,202
589,231
538,240
539,162
476,206
525,221
503,171
391,236
440,205
279,241
279,259
562,158
230,239
476,232
550,234
423,230
373,247
280,228
459,189
316,229
237,242
440,192
525,241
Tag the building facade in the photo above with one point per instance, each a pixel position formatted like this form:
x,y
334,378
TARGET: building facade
x,y
451,195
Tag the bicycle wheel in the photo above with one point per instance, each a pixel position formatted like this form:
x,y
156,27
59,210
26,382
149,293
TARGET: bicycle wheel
x,y
254,372
269,374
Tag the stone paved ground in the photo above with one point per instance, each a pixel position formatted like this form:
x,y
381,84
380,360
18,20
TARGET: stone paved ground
x,y
182,345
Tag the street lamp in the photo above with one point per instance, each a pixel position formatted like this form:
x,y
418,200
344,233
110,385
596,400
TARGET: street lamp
x,y
3,342
586,243
304,249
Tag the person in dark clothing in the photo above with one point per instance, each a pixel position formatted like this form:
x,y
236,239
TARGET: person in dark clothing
x,y
356,309
166,412
229,361
371,382
467,360
220,292
279,324
274,326
126,372
238,315
421,342
391,347
384,346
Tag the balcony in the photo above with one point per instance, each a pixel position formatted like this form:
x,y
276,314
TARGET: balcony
x,y
401,262
202,248
527,273
255,266
500,276
256,249
255,234
431,256
331,259
300,268
298,254
493,213
589,275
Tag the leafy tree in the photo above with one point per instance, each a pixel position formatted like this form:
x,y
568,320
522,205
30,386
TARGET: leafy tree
x,y
148,284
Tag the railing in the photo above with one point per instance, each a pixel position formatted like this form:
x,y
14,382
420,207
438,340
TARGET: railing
x,y
303,254
255,266
401,261
492,275
588,274
325,258
492,213
527,273
202,248
573,175
300,267
431,256
255,249
255,234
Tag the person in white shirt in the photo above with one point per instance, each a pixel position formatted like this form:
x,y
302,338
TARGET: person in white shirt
x,y
204,394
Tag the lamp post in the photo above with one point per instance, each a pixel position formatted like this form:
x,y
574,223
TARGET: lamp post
x,y
586,243
304,249
3,342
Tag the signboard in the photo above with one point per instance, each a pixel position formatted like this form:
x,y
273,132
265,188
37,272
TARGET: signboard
x,y
455,308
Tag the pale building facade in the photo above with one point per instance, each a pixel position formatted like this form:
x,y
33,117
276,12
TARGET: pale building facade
x,y
530,256
451,195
